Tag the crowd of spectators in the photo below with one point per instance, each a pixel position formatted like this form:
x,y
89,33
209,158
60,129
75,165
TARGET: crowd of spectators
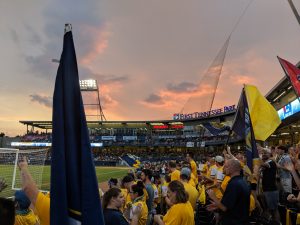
x,y
217,189
180,140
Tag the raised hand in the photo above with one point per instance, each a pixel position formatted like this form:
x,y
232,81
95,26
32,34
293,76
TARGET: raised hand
x,y
3,184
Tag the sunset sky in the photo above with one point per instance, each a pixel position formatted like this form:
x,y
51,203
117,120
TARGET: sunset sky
x,y
145,55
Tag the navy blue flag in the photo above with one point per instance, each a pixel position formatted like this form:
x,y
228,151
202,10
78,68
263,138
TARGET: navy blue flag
x,y
216,128
242,126
74,187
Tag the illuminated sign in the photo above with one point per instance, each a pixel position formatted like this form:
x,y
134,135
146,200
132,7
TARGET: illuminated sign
x,y
160,127
31,144
199,115
43,144
171,126
289,109
108,138
176,126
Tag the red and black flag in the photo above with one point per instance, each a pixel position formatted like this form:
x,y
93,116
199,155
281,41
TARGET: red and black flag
x,y
293,73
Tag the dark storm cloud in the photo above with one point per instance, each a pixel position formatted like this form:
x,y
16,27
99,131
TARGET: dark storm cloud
x,y
183,87
43,100
86,27
107,79
154,99
86,73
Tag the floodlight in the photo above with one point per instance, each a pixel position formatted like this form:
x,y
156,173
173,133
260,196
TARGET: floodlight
x,y
88,85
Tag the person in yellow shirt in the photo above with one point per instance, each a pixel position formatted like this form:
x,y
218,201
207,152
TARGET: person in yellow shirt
x,y
40,201
193,181
189,158
175,174
212,172
185,174
137,194
42,208
181,212
219,176
24,215
126,184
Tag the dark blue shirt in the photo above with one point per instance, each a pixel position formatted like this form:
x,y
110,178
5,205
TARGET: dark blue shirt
x,y
236,198
114,217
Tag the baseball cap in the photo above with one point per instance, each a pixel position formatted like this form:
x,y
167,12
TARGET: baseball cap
x,y
219,159
185,171
22,200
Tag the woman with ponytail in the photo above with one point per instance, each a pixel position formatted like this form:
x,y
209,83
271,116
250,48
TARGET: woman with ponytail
x,y
112,202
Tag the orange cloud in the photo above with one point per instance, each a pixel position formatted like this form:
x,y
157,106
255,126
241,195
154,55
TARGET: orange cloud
x,y
98,44
242,79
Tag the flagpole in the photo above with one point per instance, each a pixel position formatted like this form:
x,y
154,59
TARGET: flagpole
x,y
230,132
294,10
228,138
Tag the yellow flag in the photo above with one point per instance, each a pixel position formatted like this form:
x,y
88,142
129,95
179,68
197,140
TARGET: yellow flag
x,y
263,115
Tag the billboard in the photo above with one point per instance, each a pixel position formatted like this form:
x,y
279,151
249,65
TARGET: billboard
x,y
289,109
199,115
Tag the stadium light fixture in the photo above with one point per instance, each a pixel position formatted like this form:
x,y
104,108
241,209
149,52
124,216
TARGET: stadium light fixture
x,y
88,85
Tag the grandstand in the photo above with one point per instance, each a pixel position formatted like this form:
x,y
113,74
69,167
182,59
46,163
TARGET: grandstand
x,y
150,136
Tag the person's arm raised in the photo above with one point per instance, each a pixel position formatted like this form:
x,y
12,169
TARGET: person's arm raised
x,y
28,184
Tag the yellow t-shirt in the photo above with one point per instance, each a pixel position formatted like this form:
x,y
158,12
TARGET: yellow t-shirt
x,y
42,207
212,172
193,181
26,219
193,194
225,183
204,170
218,180
144,214
252,203
175,175
146,196
194,168
126,197
180,214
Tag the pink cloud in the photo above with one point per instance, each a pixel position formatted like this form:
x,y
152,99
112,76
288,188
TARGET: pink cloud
x,y
242,79
98,44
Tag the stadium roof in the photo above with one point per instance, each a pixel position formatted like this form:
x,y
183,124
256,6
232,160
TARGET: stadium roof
x,y
282,93
47,125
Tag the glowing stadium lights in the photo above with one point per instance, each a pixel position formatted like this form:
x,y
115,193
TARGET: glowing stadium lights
x,y
156,124
88,85
275,99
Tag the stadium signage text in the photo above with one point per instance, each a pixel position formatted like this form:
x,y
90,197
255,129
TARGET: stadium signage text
x,y
161,127
199,115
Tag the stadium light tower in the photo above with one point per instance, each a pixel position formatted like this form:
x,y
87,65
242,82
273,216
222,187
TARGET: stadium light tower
x,y
91,85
